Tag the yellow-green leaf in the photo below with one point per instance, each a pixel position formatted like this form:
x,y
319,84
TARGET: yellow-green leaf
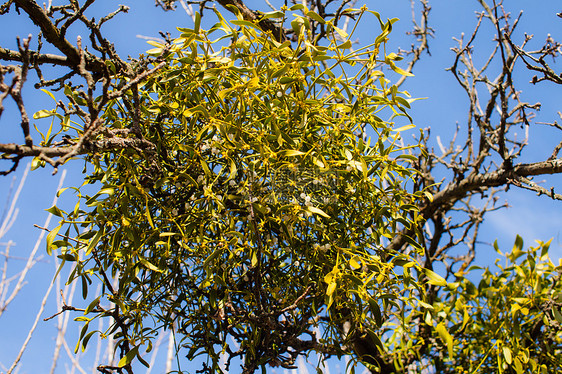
x,y
128,358
254,259
49,93
341,33
425,305
399,70
507,354
240,22
445,337
43,114
404,128
557,314
315,16
355,262
54,210
292,152
94,241
319,211
331,288
51,237
147,264
154,51
155,44
345,45
434,278
274,14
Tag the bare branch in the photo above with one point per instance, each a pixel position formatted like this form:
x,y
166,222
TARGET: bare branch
x,y
54,36
422,32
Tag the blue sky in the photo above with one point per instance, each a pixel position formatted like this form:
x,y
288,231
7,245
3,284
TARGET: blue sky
x,y
529,216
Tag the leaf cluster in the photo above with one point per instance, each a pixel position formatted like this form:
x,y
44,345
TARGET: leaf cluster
x,y
260,215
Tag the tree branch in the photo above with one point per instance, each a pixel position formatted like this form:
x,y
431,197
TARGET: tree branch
x,y
53,35
35,57
252,16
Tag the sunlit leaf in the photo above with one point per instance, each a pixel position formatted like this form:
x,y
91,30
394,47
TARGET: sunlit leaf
x,y
315,17
446,337
318,211
129,357
434,278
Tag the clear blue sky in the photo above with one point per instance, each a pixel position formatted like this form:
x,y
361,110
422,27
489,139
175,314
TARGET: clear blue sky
x,y
530,216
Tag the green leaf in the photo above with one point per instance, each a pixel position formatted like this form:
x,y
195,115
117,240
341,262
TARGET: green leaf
x,y
275,14
129,357
518,244
376,339
51,237
216,253
341,33
50,94
507,354
233,170
375,309
497,248
445,337
67,257
291,153
43,113
254,262
557,314
286,80
240,22
155,44
345,45
147,264
155,51
544,248
197,23
149,216
85,283
55,211
315,210
37,163
399,70
315,16
86,339
143,361
404,128
331,288
412,242
92,305
425,305
434,278
355,263
83,331
199,109
94,241
108,190
518,365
